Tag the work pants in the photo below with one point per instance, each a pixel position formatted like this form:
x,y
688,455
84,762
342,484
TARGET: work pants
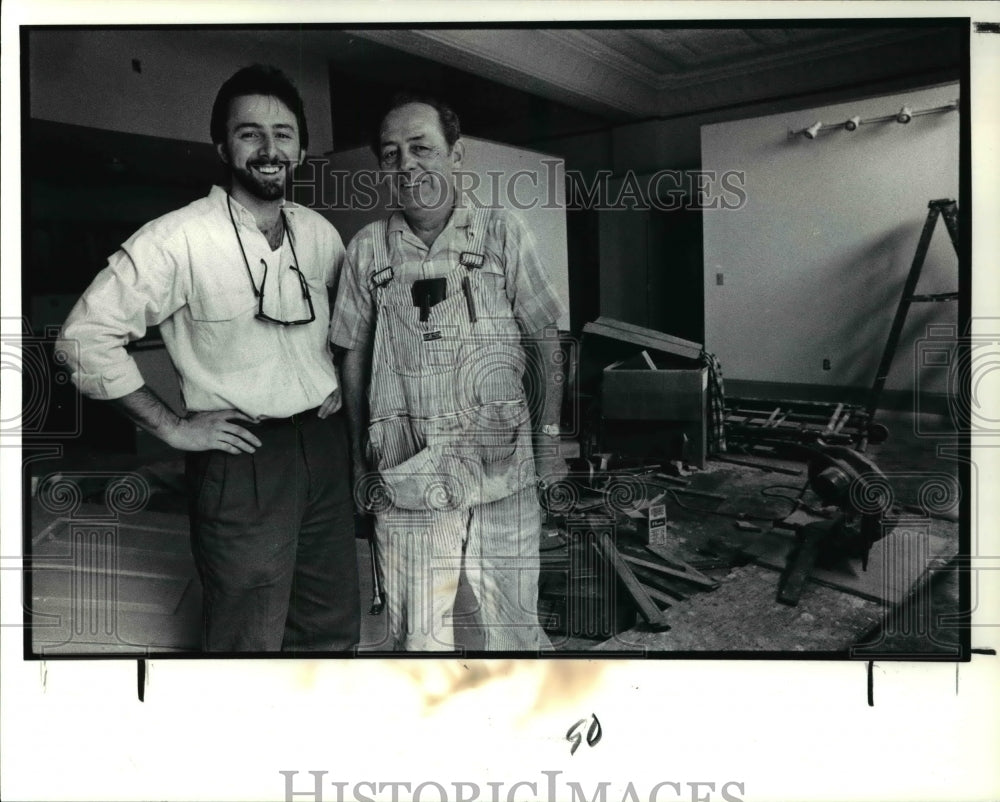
x,y
421,558
272,534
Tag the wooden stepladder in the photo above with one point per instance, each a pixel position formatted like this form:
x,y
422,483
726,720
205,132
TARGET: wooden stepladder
x,y
947,209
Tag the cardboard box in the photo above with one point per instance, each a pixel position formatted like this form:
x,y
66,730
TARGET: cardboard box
x,y
607,340
638,393
652,388
650,524
655,413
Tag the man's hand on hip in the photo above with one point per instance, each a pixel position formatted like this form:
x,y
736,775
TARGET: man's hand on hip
x,y
331,404
205,431
198,431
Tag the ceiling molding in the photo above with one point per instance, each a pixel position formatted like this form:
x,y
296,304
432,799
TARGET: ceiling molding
x,y
524,59
609,72
590,47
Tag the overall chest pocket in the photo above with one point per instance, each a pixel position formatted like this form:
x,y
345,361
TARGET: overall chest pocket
x,y
424,349
494,311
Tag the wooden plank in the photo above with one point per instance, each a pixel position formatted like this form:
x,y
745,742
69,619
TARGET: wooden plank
x,y
664,584
660,596
833,418
671,559
647,609
674,480
638,335
697,580
805,556
685,491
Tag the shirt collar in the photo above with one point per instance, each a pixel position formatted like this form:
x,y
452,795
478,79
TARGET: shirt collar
x,y
240,212
461,217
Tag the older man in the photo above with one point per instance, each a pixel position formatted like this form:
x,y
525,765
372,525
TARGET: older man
x,y
437,309
237,283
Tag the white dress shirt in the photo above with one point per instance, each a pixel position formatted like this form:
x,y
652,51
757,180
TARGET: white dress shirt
x,y
185,273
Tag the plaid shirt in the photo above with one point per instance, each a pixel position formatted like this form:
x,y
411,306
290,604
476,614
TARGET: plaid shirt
x,y
511,257
717,405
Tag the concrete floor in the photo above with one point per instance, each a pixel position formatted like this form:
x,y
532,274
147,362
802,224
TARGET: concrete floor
x,y
103,583
130,586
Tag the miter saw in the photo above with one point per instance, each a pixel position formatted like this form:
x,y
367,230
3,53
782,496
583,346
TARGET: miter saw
x,y
858,493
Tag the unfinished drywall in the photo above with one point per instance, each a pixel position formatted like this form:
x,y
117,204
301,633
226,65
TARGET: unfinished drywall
x,y
162,82
531,183
811,267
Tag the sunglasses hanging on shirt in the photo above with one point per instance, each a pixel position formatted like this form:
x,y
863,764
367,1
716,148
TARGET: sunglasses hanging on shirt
x,y
259,293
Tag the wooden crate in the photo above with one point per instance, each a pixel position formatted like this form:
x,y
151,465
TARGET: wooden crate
x,y
655,413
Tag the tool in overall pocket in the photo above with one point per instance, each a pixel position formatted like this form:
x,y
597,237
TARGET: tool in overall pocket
x,y
469,301
470,261
428,292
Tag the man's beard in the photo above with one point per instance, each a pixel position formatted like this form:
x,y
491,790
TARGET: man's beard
x,y
260,186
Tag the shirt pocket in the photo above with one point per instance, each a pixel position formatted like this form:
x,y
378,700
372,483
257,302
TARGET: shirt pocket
x,y
224,336
492,274
495,315
219,306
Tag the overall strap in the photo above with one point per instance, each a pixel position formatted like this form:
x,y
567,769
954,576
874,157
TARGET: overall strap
x,y
475,256
382,272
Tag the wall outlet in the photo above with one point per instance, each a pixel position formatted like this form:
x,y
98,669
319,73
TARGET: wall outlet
x,y
826,364
720,279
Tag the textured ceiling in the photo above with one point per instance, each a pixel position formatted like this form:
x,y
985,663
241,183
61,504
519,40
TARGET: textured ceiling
x,y
640,73
530,84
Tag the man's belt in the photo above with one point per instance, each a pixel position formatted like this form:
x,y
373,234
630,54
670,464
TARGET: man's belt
x,y
292,420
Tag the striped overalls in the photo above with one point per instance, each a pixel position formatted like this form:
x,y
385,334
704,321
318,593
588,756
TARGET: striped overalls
x,y
450,435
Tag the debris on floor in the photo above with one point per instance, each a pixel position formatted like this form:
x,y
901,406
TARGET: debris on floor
x,y
704,560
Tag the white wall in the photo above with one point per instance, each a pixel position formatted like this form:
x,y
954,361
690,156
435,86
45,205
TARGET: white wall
x,y
522,177
814,262
85,77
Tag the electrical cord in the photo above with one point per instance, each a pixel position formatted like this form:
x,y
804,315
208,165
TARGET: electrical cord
x,y
742,516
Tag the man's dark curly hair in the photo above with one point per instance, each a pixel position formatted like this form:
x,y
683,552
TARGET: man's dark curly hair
x,y
258,79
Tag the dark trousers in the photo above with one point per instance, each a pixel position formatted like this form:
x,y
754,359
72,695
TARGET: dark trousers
x,y
272,534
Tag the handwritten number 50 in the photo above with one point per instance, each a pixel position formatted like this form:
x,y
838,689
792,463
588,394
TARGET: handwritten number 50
x,y
593,733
